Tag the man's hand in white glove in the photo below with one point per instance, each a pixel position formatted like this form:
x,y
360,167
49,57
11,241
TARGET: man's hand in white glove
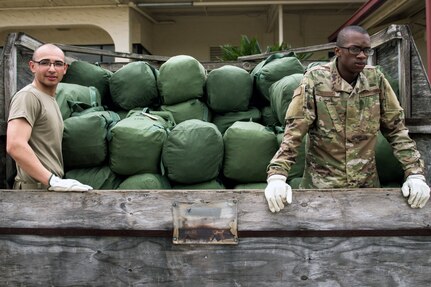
x,y
277,192
417,190
59,184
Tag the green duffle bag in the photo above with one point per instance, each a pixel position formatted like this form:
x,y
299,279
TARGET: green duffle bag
x,y
181,78
151,181
295,183
229,89
87,74
269,118
188,110
85,139
100,177
255,185
297,169
134,85
167,117
389,169
193,152
249,147
74,98
212,184
281,93
136,144
224,121
274,68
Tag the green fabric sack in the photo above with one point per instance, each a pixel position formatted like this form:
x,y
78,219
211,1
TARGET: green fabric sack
x,y
134,85
295,182
145,181
297,169
136,144
274,68
248,186
193,152
188,110
87,74
74,98
249,147
99,178
85,139
167,117
224,121
229,89
212,184
181,78
269,118
389,169
281,93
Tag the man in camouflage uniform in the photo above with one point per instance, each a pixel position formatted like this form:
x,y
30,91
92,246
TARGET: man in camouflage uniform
x,y
343,105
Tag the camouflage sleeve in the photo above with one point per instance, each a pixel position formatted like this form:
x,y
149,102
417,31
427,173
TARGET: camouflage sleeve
x,y
299,116
395,131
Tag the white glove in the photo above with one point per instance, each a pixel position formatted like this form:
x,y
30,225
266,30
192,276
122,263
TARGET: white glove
x,y
418,191
59,184
277,191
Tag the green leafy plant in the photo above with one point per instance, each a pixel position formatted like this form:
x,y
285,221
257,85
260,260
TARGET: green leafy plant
x,y
251,47
277,47
247,47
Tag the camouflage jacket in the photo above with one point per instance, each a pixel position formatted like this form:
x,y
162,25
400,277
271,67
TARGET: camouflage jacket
x,y
343,122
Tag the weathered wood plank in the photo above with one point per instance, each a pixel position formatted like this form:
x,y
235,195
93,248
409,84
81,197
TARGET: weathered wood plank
x,y
311,210
315,48
405,84
421,90
389,34
115,261
377,39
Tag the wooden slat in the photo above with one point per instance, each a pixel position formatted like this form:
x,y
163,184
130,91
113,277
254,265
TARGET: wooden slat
x,y
93,51
271,262
377,39
28,42
10,67
312,210
405,86
391,33
3,125
420,85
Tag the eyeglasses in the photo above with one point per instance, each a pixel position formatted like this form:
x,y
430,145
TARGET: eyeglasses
x,y
45,63
355,50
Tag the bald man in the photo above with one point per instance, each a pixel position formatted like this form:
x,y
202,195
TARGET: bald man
x,y
35,126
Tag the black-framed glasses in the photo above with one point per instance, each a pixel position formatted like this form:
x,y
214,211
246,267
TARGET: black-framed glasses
x,y
47,63
355,50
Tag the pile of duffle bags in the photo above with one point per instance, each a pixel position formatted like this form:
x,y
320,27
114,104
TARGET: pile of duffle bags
x,y
182,127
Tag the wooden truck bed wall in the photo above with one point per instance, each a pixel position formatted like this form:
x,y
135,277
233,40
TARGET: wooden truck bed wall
x,y
356,237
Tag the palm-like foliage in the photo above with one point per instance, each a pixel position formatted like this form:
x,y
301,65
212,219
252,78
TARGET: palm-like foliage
x,y
251,47
247,47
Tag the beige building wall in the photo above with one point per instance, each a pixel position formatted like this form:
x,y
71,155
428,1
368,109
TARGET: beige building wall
x,y
86,26
195,35
191,35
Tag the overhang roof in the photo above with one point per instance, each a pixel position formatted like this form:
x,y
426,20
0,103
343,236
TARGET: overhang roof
x,y
161,10
376,14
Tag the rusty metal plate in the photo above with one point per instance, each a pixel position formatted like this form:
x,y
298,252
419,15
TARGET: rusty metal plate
x,y
205,222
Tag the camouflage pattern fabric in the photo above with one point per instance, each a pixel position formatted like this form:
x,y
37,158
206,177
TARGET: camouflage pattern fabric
x,y
343,122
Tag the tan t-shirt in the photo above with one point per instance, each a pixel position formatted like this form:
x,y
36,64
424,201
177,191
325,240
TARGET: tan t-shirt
x,y
43,114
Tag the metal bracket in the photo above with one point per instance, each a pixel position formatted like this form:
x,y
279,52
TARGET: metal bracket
x,y
205,222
